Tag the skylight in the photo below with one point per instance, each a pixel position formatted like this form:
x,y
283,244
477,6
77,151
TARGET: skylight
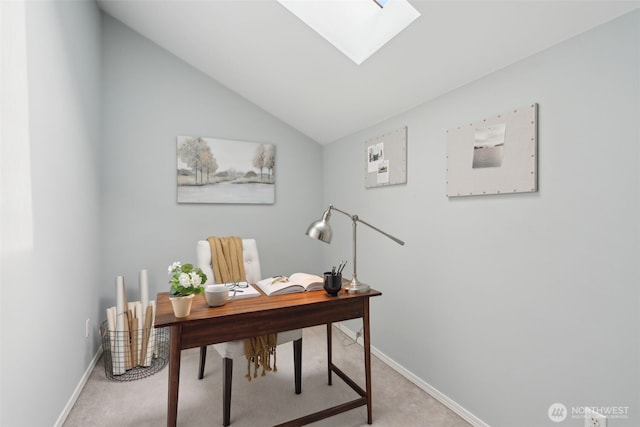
x,y
358,28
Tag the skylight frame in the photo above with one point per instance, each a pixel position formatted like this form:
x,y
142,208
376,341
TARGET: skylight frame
x,y
358,28
381,3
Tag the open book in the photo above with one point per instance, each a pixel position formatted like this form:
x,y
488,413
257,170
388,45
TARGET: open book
x,y
297,282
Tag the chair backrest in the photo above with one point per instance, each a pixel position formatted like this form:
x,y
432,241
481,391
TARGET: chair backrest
x,y
249,254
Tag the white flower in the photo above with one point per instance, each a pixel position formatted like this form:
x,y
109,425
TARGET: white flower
x,y
195,279
184,280
174,267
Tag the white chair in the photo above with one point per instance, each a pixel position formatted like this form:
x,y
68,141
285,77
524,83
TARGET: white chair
x,y
233,349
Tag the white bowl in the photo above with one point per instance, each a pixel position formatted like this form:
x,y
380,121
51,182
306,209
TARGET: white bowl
x,y
216,295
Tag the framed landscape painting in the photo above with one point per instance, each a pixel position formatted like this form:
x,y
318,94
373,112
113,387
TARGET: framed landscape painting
x,y
211,170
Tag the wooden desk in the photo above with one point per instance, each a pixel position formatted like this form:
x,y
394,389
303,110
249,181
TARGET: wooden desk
x,y
246,318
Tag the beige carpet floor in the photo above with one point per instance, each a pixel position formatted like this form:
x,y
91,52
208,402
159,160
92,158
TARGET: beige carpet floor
x,y
264,401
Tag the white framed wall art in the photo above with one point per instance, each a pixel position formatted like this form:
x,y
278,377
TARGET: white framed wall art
x,y
213,170
496,155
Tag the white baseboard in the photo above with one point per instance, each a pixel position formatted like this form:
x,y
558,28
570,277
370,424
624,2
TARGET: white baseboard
x,y
76,393
432,391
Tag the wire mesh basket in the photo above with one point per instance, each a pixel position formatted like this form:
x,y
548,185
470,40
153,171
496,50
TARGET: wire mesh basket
x,y
133,355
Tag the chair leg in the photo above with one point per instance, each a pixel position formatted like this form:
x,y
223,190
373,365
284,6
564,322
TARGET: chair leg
x,y
297,364
203,358
227,376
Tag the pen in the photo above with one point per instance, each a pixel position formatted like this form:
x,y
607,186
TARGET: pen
x,y
341,267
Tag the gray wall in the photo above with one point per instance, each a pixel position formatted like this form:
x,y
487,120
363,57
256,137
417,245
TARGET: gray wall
x,y
49,283
508,304
105,107
150,97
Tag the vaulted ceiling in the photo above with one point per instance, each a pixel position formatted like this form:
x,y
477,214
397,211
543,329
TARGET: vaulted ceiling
x,y
261,51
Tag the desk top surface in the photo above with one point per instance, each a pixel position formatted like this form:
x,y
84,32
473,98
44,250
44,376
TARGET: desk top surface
x,y
200,309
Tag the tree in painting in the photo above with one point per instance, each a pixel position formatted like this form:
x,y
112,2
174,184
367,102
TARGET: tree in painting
x,y
270,159
196,154
209,164
265,158
258,158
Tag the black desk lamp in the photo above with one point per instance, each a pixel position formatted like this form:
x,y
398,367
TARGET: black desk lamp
x,y
321,230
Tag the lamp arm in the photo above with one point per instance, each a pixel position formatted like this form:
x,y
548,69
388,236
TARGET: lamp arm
x,y
395,239
333,208
355,218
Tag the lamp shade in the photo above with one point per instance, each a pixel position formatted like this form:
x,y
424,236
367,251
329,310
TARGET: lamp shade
x,y
321,230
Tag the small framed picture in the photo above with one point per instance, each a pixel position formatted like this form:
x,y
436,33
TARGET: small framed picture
x,y
386,159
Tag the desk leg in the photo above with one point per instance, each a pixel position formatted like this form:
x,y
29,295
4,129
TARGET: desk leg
x,y
329,344
297,362
367,358
175,342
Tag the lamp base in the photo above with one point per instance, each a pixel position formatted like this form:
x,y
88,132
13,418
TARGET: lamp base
x,y
356,287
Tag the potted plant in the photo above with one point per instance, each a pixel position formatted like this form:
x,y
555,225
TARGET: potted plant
x,y
186,282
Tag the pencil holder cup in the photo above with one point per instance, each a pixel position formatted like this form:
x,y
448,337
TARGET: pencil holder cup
x,y
332,283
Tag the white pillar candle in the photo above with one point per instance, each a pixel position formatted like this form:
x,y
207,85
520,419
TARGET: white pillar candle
x,y
144,290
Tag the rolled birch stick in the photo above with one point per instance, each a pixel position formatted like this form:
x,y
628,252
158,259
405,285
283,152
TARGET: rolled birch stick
x,y
146,352
152,335
139,331
126,338
133,330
